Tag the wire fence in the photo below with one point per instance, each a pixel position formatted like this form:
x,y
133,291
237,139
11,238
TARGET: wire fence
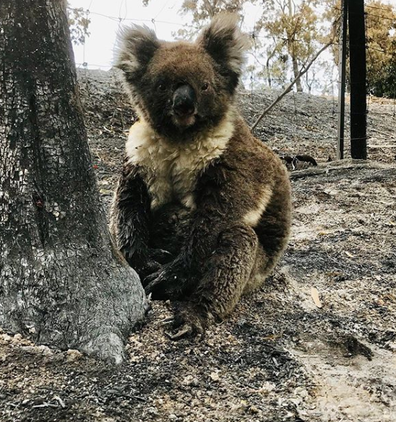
x,y
302,109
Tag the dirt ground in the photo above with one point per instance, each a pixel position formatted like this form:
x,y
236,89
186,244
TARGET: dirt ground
x,y
316,343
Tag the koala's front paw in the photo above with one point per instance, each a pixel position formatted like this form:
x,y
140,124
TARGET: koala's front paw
x,y
156,284
165,283
188,321
149,263
145,268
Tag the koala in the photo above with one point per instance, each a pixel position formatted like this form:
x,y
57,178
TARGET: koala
x,y
202,209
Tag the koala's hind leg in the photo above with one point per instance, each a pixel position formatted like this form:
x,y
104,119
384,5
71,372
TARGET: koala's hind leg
x,y
273,232
263,267
225,277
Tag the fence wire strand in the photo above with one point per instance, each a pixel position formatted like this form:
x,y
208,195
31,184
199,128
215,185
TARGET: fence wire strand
x,y
256,82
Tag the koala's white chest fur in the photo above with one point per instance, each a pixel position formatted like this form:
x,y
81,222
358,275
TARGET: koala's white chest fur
x,y
171,170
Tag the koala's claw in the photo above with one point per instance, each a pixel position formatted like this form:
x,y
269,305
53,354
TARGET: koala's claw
x,y
167,283
187,322
186,330
151,280
168,321
157,285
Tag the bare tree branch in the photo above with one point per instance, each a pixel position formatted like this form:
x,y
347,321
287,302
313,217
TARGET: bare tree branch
x,y
303,70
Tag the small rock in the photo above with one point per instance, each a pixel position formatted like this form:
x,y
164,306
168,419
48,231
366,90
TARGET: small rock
x,y
190,380
254,409
6,338
45,350
153,411
72,355
215,376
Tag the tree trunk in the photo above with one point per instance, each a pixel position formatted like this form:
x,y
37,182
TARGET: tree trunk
x,y
296,71
267,65
292,41
61,281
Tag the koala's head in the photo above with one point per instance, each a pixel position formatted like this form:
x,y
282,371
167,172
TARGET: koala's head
x,y
182,88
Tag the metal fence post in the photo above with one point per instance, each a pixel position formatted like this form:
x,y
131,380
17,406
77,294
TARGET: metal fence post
x,y
357,51
341,82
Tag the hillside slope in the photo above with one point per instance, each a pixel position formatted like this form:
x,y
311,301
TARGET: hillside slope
x,y
316,343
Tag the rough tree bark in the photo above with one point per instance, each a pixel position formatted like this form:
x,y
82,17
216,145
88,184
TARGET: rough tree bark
x,y
61,281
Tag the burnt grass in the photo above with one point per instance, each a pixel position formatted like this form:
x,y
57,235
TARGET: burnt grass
x,y
316,343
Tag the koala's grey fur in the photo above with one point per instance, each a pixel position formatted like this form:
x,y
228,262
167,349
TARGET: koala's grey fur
x,y
202,210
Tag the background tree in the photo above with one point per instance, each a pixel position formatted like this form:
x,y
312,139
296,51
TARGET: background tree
x,y
78,23
381,49
202,11
294,26
285,37
61,281
381,46
269,62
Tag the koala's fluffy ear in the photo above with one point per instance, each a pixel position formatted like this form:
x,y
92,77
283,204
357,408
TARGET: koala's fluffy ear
x,y
135,48
223,40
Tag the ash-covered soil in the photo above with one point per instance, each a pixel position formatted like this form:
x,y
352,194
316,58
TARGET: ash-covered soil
x,y
316,343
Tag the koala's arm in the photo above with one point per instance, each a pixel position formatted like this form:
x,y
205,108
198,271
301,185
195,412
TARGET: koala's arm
x,y
130,217
221,201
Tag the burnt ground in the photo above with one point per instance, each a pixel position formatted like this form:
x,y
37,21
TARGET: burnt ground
x,y
316,343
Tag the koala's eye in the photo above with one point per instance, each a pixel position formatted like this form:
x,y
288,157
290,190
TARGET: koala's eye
x,y
161,87
204,86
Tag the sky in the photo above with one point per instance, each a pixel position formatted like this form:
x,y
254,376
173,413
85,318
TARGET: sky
x,y
161,15
107,15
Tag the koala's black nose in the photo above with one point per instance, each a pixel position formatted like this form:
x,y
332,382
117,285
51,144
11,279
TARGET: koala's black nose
x,y
184,100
